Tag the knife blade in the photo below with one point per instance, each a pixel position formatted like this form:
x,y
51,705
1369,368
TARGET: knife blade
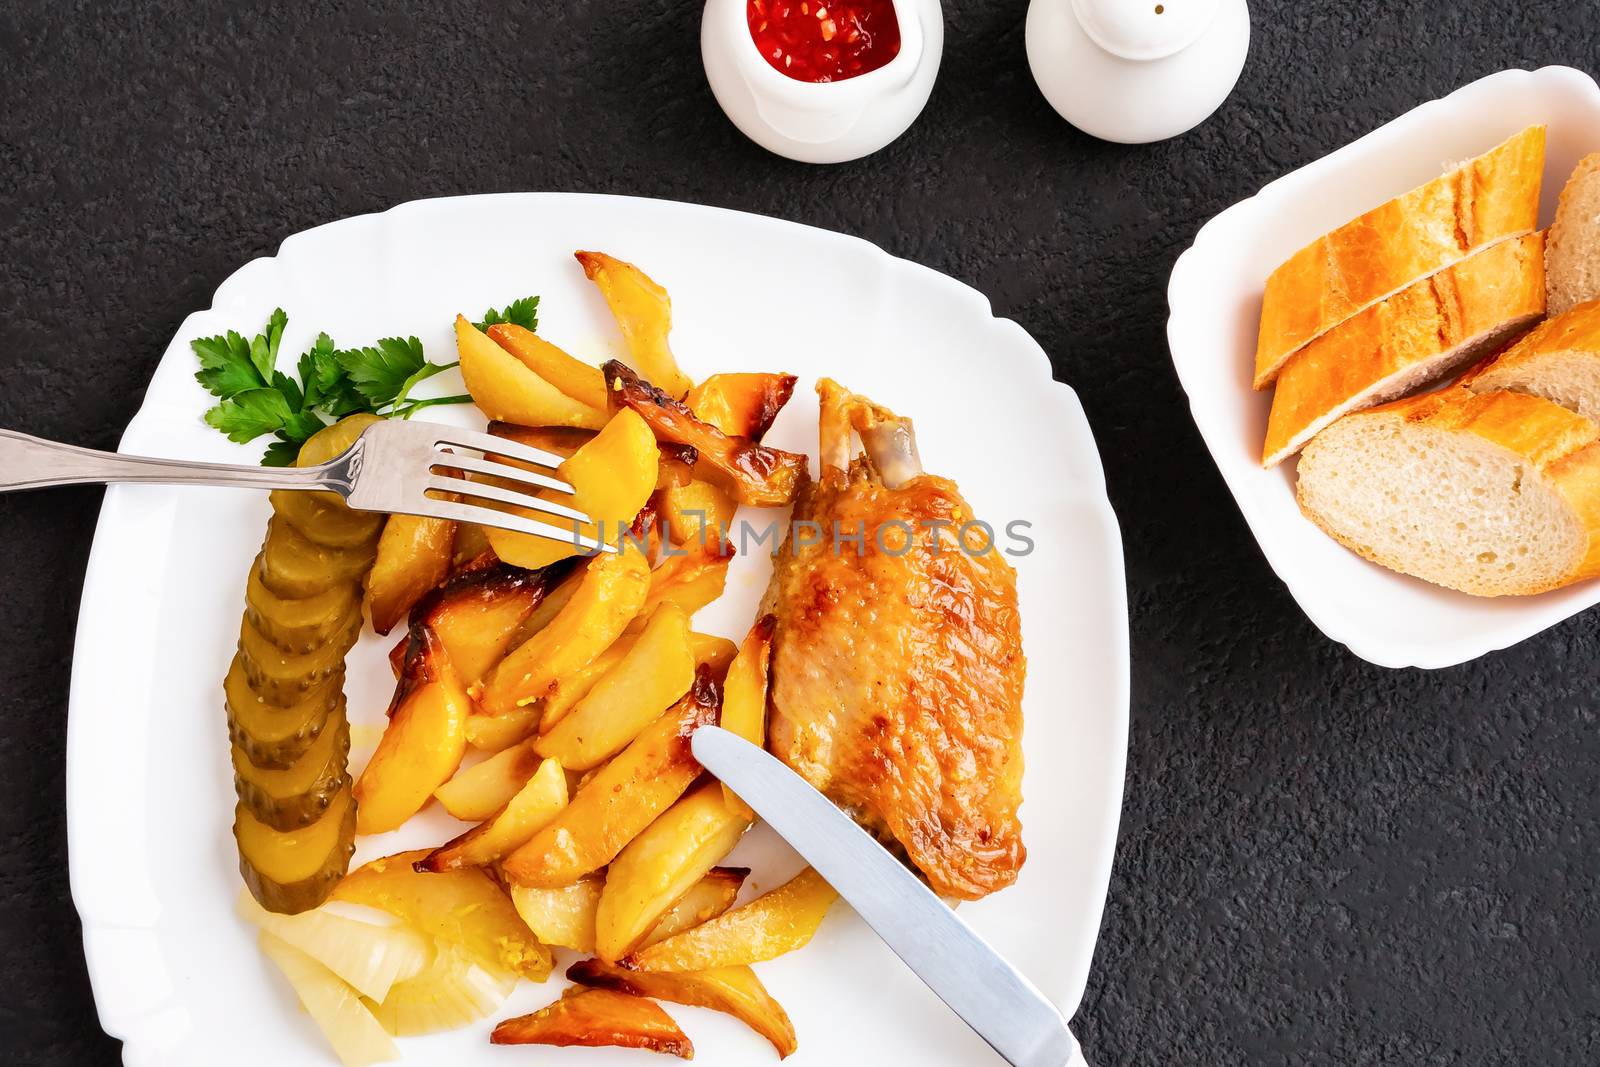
x,y
990,995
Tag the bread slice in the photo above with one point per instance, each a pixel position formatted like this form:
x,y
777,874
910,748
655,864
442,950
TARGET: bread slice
x,y
1559,360
1413,339
1339,275
1574,263
1493,494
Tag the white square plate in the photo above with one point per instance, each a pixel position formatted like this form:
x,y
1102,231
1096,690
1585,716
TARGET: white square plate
x,y
176,973
1215,297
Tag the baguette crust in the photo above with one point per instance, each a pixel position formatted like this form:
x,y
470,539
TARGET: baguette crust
x,y
1412,339
1489,199
1575,333
1558,447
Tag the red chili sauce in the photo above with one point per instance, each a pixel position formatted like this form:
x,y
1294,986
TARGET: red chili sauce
x,y
825,40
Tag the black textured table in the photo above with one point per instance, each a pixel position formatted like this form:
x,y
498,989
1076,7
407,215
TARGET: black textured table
x,y
1320,861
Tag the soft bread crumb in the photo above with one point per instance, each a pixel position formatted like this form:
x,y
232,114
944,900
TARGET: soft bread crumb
x,y
1440,504
1572,258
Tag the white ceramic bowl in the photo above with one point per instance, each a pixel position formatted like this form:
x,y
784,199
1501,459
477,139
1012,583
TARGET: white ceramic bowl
x,y
1215,297
831,122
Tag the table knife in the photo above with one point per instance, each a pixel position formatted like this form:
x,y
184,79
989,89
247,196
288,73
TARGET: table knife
x,y
975,981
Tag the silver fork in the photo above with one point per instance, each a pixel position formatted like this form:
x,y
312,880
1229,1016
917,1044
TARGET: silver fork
x,y
394,466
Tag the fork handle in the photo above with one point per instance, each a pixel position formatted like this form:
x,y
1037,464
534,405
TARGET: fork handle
x,y
34,463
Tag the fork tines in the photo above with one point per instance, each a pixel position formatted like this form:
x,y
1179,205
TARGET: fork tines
x,y
446,474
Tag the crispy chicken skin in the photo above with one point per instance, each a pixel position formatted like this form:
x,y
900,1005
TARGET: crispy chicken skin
x,y
897,673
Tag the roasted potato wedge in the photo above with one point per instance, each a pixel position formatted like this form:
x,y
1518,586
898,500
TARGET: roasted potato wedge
x,y
643,310
654,672
621,799
744,693
478,615
496,733
696,514
612,477
754,474
741,405
579,380
659,866
566,691
472,551
506,389
613,589
535,804
465,907
423,744
705,900
414,555
691,579
713,652
767,927
597,1018
562,916
734,991
478,791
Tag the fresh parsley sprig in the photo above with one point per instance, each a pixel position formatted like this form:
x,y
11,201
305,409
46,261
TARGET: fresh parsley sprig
x,y
255,398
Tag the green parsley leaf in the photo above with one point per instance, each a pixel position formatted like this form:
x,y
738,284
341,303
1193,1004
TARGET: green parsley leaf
x,y
524,313
282,453
226,368
380,372
247,415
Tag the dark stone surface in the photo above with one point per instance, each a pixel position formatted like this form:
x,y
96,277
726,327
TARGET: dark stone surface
x,y
1320,861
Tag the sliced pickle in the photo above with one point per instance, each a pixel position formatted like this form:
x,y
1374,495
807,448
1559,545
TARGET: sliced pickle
x,y
294,872
282,676
292,565
305,623
334,525
274,737
298,795
333,441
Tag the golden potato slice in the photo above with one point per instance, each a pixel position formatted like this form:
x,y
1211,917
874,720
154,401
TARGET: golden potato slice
x,y
734,991
659,866
505,389
767,927
714,652
562,916
643,310
621,799
614,587
477,615
496,733
690,580
744,694
478,791
696,514
567,690
612,477
741,405
650,677
579,380
706,899
465,907
414,556
423,744
754,474
535,804
597,1018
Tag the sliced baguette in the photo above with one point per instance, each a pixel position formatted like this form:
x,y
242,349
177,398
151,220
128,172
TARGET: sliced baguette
x,y
1574,263
1339,275
1559,360
1413,339
1493,494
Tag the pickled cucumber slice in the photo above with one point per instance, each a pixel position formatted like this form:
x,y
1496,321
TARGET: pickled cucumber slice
x,y
293,872
281,676
297,795
333,441
274,737
301,624
335,525
292,565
